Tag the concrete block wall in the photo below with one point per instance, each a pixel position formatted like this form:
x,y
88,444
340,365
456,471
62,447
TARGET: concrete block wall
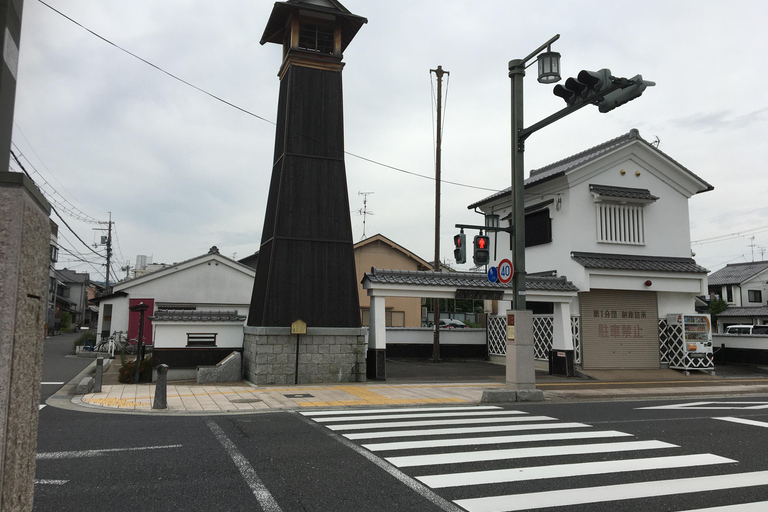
x,y
326,355
25,234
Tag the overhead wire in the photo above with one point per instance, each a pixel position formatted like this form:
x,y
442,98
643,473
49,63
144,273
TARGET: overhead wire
x,y
241,109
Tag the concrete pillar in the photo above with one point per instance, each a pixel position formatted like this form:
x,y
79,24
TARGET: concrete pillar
x,y
377,340
25,234
161,388
521,370
562,339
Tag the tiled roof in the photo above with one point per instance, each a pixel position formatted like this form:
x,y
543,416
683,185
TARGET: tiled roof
x,y
198,316
623,192
572,162
464,280
737,273
633,262
748,312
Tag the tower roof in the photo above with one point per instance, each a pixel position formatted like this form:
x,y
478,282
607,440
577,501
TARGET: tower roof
x,y
282,11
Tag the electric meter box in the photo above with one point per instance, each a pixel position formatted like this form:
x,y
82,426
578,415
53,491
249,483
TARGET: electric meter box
x,y
693,346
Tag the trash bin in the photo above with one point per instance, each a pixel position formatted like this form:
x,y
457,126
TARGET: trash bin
x,y
561,362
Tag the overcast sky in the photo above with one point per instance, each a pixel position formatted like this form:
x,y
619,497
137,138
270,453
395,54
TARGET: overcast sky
x,y
181,171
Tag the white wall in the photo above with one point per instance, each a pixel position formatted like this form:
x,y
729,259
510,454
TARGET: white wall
x,y
174,334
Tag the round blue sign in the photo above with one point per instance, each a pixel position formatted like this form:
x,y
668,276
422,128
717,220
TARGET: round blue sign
x,y
493,274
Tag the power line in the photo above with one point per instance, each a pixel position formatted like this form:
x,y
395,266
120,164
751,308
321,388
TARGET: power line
x,y
241,109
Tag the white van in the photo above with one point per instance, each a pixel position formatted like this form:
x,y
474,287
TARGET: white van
x,y
746,329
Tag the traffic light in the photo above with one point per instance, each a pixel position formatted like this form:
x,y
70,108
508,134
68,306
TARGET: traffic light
x,y
585,85
620,97
482,254
460,252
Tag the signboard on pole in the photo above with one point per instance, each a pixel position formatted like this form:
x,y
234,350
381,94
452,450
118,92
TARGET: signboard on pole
x,y
506,271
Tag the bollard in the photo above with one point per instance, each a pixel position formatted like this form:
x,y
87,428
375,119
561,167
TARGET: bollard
x,y
161,388
98,376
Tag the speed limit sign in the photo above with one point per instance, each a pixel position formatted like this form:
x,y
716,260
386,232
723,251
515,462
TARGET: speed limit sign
x,y
505,271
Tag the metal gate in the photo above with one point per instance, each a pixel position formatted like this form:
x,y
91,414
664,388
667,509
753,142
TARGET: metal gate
x,y
542,336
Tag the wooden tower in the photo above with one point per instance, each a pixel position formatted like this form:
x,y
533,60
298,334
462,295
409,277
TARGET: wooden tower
x,y
306,267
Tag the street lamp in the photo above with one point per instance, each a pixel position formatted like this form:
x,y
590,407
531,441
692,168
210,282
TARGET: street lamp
x,y
549,72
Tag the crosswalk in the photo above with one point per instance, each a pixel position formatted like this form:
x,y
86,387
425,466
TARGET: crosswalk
x,y
488,459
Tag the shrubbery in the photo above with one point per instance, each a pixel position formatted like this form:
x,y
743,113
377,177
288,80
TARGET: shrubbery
x,y
127,373
89,338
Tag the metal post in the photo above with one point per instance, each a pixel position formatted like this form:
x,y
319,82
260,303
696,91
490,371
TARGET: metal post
x,y
161,388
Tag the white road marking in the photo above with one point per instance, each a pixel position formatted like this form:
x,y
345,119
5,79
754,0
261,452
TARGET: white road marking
x,y
52,383
401,477
520,453
431,423
476,441
420,415
99,453
262,494
570,470
620,492
40,407
758,506
709,406
312,414
745,421
467,430
51,482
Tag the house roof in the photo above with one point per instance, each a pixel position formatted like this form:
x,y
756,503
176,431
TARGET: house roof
x,y
642,194
566,165
748,312
213,253
637,262
197,316
72,276
464,280
281,12
381,238
737,273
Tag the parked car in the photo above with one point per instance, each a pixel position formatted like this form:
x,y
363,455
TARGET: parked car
x,y
746,329
451,323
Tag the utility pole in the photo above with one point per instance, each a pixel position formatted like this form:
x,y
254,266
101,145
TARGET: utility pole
x,y
439,72
108,243
127,268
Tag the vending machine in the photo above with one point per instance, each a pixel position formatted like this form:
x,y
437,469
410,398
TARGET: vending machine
x,y
693,351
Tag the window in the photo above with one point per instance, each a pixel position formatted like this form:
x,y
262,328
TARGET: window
x,y
54,253
201,339
620,224
755,295
538,228
316,38
729,293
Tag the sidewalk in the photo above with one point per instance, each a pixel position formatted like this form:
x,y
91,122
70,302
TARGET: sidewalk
x,y
465,384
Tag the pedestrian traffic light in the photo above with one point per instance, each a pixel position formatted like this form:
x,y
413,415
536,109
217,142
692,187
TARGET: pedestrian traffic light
x,y
460,252
482,253
622,96
584,86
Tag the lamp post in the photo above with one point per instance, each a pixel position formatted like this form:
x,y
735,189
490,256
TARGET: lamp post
x,y
549,72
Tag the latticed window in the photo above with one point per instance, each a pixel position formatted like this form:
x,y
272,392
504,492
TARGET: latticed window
x,y
316,38
620,223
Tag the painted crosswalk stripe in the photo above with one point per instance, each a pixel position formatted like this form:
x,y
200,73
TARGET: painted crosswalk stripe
x,y
758,506
744,421
619,492
474,414
520,453
467,430
431,423
478,441
569,470
313,414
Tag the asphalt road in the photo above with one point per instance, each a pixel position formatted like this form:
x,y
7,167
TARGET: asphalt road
x,y
680,457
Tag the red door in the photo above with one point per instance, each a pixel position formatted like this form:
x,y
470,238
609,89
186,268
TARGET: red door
x,y
133,320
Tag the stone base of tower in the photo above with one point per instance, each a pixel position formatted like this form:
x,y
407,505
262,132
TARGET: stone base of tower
x,y
326,355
